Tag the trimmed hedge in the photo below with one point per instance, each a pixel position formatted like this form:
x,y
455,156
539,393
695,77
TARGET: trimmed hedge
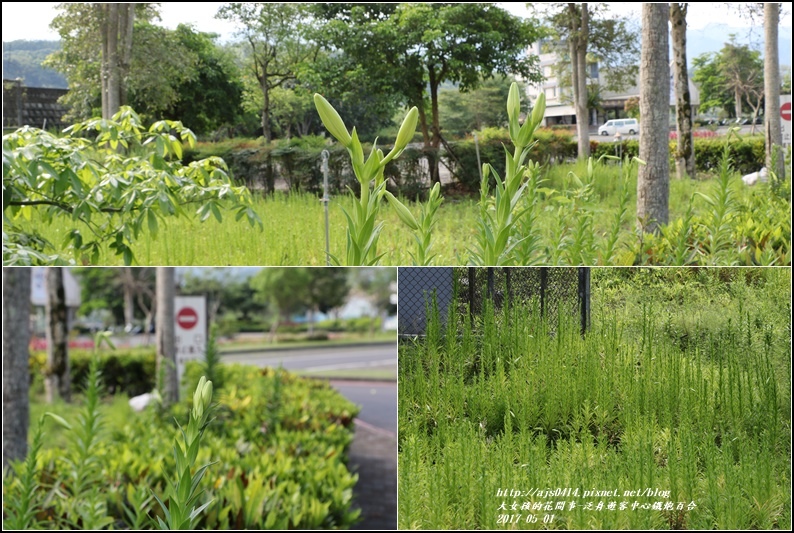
x,y
130,371
747,153
298,161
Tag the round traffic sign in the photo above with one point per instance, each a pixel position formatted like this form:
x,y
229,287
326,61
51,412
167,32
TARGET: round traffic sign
x,y
785,111
187,318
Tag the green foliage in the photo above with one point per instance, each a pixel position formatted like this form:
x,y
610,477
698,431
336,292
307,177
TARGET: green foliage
x,y
422,229
682,385
280,443
549,147
746,153
183,511
461,113
415,48
20,490
211,97
730,78
362,231
500,216
131,371
124,179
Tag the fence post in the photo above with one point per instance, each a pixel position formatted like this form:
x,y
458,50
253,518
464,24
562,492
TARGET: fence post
x,y
490,283
324,155
471,293
508,287
584,297
543,274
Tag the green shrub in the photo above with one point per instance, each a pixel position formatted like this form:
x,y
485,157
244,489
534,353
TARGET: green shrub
x,y
747,153
279,446
130,371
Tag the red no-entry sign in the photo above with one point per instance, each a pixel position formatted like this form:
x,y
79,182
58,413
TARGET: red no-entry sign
x,y
187,318
785,111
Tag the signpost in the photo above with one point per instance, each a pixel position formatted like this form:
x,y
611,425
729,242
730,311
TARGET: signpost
x,y
785,118
190,315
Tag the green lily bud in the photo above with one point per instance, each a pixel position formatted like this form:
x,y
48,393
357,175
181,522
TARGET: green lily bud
x,y
405,215
206,394
532,122
407,129
539,110
332,121
513,109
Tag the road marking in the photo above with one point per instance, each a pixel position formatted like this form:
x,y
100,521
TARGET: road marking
x,y
345,366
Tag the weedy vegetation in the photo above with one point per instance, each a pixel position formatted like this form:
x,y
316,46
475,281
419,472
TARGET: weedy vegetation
x,y
269,453
682,384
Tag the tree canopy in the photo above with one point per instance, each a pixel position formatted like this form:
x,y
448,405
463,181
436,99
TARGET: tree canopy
x,y
730,79
418,46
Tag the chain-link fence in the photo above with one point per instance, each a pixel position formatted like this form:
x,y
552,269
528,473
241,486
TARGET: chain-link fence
x,y
557,290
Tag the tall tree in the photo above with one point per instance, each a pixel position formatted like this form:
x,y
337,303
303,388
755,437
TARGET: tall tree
x,y
166,338
742,70
578,33
419,46
588,36
685,154
115,29
57,381
653,181
143,66
16,373
326,289
279,43
774,157
281,289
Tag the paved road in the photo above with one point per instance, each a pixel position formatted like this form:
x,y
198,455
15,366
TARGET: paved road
x,y
373,454
320,358
378,401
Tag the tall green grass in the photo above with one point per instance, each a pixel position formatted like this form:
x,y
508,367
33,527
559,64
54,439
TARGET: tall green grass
x,y
515,402
294,232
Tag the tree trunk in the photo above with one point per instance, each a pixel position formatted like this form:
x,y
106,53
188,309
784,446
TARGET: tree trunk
x,y
653,181
685,155
16,375
57,381
126,24
737,95
166,342
582,116
435,145
128,288
112,59
774,135
102,16
266,112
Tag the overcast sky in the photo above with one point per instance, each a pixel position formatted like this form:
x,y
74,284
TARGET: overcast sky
x,y
27,20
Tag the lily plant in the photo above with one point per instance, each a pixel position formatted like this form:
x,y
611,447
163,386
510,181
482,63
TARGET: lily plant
x,y
500,215
363,229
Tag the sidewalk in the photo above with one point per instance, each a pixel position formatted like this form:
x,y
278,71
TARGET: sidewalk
x,y
373,455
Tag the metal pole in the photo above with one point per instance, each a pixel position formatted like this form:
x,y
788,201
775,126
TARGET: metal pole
x,y
584,297
477,149
324,155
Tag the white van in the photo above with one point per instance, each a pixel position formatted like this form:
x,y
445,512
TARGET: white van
x,y
626,126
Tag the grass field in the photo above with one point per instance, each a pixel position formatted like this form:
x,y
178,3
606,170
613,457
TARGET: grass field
x,y
672,412
294,232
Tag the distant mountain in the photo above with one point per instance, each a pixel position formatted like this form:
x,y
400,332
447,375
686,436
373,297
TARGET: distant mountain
x,y
22,59
714,35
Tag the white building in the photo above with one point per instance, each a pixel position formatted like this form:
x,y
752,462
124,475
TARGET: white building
x,y
559,106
